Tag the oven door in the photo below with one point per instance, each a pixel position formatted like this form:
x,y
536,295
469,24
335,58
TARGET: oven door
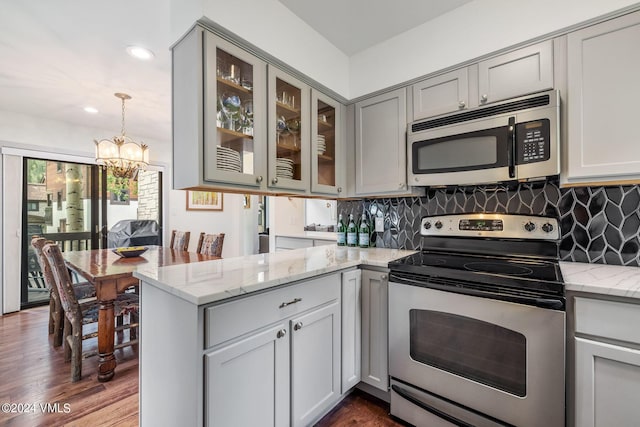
x,y
502,359
473,153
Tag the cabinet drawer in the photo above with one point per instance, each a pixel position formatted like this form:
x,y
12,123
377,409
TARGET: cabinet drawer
x,y
609,319
229,320
292,243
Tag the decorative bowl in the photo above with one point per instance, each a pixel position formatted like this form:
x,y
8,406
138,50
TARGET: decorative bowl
x,y
130,252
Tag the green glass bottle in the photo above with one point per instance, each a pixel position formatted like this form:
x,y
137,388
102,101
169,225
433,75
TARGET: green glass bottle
x,y
341,234
352,232
363,234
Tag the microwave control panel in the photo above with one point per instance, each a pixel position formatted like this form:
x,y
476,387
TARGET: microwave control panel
x,y
533,141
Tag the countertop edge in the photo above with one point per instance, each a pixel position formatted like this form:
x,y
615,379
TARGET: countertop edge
x,y
378,258
601,279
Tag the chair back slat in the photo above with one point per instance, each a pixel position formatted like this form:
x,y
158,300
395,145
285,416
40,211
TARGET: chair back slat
x,y
62,279
180,240
210,244
38,243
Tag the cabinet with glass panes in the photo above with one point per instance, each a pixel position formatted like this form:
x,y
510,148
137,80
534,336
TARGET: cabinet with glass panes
x,y
326,144
289,129
242,124
234,114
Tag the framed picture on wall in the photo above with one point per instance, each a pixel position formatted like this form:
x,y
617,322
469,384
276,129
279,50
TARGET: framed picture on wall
x,y
204,201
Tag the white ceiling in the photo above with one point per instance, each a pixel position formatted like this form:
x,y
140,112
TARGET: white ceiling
x,y
56,57
354,25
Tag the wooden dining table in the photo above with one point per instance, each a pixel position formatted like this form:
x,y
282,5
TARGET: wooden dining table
x,y
112,275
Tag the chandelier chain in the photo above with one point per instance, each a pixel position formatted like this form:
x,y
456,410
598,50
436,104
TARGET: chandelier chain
x,y
122,116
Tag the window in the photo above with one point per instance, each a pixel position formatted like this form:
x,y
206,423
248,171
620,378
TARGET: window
x,y
59,168
33,206
59,200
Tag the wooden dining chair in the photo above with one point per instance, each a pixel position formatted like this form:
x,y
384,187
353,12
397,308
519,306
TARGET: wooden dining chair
x,y
210,244
76,315
81,290
180,240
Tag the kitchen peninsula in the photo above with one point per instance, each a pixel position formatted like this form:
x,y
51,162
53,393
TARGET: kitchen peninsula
x,y
262,329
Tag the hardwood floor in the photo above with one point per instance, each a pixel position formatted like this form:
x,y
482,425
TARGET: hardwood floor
x,y
359,409
32,372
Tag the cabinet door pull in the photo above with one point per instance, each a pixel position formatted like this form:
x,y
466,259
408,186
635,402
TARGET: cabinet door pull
x,y
297,326
281,333
293,301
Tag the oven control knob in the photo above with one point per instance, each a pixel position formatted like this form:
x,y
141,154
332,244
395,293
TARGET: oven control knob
x,y
529,226
427,225
438,225
547,228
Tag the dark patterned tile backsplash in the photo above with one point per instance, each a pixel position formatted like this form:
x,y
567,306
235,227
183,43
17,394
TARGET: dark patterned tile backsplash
x,y
598,224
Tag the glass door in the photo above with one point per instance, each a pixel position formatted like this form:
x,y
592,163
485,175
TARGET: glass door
x,y
76,205
326,146
58,204
234,114
289,130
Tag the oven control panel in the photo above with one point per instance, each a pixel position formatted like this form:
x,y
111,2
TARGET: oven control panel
x,y
492,225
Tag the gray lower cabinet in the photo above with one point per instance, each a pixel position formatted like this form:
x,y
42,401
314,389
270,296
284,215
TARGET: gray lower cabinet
x,y
351,328
268,359
603,65
607,363
380,144
315,364
256,370
375,329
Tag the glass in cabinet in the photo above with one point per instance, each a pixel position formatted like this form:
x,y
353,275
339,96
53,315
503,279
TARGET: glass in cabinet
x,y
234,119
326,146
289,130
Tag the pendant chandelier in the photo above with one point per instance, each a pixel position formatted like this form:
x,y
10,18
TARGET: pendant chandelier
x,y
121,155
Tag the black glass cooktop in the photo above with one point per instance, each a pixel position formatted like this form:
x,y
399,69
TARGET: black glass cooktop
x,y
504,266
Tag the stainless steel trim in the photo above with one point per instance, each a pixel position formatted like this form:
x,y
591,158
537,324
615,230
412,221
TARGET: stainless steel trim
x,y
530,171
513,226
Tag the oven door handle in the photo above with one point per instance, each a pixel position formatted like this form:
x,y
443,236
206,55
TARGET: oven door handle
x,y
437,412
549,303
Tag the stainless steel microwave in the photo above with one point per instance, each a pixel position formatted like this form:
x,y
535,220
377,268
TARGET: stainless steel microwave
x,y
518,139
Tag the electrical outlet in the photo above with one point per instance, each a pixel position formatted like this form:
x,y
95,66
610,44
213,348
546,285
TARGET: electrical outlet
x,y
379,225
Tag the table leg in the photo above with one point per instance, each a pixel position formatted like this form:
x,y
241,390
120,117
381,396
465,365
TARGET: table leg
x,y
106,332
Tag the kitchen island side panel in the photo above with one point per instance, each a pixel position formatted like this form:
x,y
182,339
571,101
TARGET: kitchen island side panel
x,y
170,375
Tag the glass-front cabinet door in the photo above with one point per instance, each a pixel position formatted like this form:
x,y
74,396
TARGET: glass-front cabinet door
x,y
234,116
289,129
326,145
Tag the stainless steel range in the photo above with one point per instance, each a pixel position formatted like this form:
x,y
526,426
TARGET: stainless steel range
x,y
477,324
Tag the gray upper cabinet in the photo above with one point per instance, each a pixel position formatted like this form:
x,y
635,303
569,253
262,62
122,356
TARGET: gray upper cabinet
x,y
603,67
327,149
380,144
289,131
441,94
219,118
241,124
520,72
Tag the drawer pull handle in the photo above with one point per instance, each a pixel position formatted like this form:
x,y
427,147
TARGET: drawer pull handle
x,y
297,326
281,333
293,301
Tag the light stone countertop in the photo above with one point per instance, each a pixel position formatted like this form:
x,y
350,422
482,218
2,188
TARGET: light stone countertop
x,y
212,281
604,279
319,235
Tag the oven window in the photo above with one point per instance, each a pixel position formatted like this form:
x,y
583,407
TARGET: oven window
x,y
458,153
473,349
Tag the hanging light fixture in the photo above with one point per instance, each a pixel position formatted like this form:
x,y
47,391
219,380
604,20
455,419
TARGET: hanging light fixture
x,y
121,154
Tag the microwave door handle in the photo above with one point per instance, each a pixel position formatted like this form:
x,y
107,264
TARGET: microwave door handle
x,y
511,148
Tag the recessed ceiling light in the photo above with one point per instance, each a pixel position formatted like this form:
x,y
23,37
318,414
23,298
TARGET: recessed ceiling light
x,y
91,110
140,52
